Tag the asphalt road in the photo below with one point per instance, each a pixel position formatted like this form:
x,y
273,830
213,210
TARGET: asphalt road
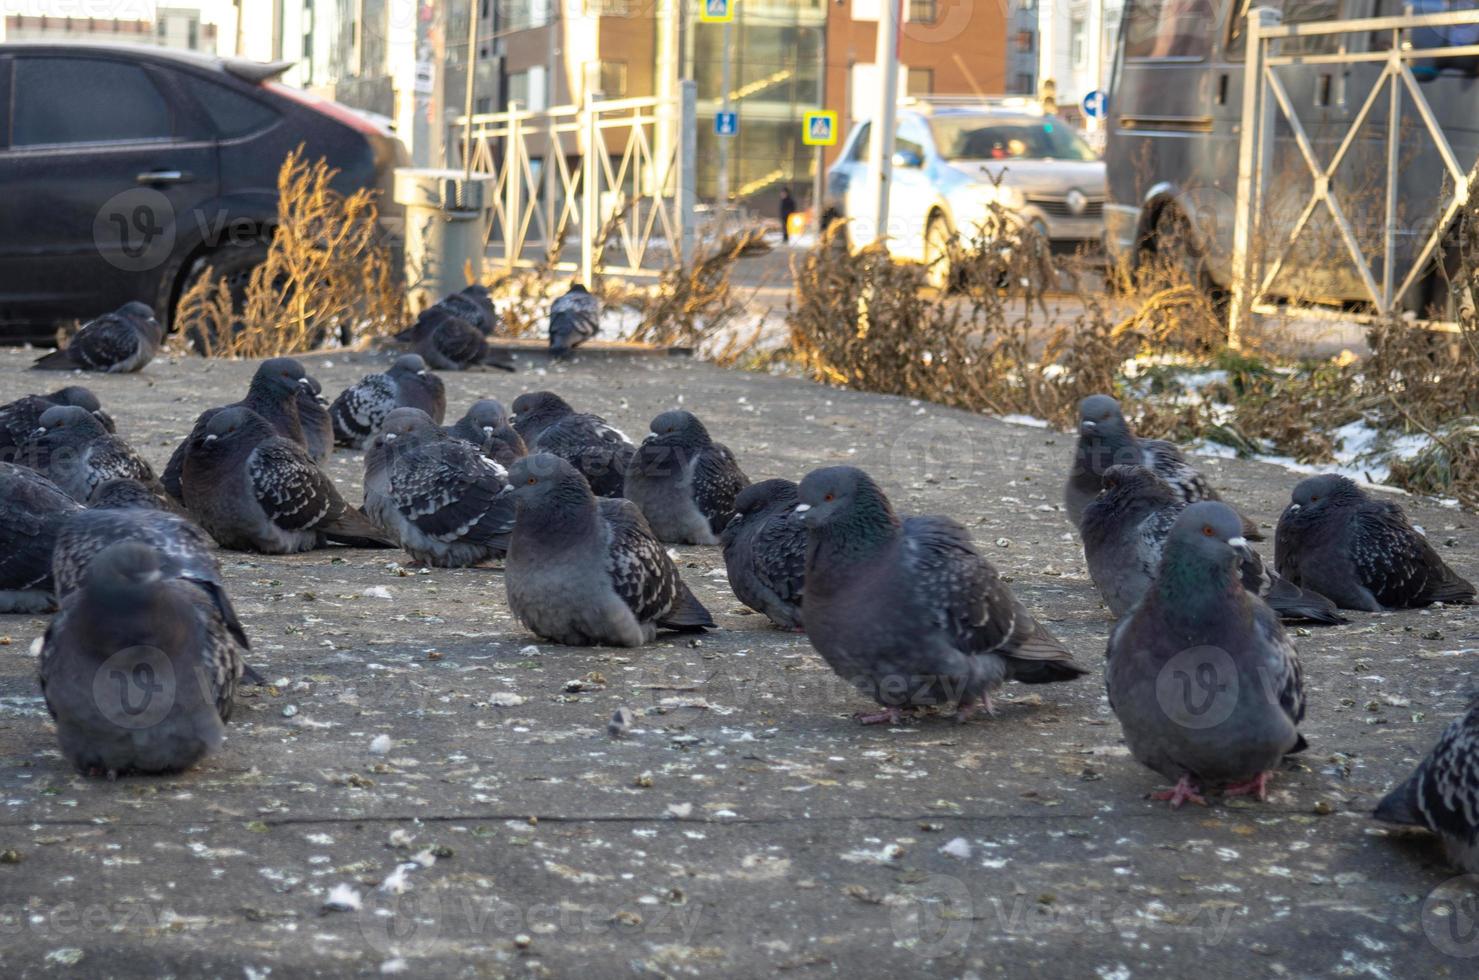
x,y
746,826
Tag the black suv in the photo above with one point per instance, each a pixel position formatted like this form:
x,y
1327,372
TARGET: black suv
x,y
123,167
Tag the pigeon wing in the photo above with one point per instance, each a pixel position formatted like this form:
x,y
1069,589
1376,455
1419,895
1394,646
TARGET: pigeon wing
x,y
641,571
716,478
452,493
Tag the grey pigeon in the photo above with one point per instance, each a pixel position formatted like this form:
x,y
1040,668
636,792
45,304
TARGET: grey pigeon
x,y
1201,675
573,319
588,442
1443,794
118,342
71,448
1105,439
584,570
1125,527
449,343
486,426
1359,551
439,497
683,481
138,669
253,490
765,551
360,409
313,415
32,513
473,304
908,610
19,418
273,394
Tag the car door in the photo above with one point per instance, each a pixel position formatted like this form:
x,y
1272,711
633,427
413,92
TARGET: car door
x,y
913,193
100,166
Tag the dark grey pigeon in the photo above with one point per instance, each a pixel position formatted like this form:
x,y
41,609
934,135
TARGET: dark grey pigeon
x,y
765,551
272,394
313,415
118,342
588,442
1359,551
360,409
908,610
1443,794
486,426
123,492
440,498
583,570
253,490
1201,675
20,418
450,343
683,481
573,319
71,448
1125,527
138,669
1105,439
472,304
32,512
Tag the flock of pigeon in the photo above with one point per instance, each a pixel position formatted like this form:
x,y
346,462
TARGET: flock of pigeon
x,y
579,516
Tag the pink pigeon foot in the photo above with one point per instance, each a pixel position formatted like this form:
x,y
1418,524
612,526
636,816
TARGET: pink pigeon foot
x,y
1257,787
1183,791
967,710
888,716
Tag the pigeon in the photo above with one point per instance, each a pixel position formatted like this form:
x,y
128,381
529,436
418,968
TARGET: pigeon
x,y
253,490
1201,674
32,512
573,319
440,498
118,343
683,481
1443,794
313,416
360,408
1125,527
20,418
449,343
486,426
583,570
124,492
908,610
72,449
598,450
472,304
1105,439
1360,552
272,394
138,669
765,551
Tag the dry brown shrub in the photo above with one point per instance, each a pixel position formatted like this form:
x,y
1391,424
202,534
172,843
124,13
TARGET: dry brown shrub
x,y
327,278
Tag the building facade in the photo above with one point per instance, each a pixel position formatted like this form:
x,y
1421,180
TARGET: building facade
x,y
1077,40
170,27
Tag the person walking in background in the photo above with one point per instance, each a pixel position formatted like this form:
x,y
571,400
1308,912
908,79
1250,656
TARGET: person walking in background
x,y
788,208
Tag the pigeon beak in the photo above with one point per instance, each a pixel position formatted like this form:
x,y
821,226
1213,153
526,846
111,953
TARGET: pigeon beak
x,y
1087,427
1240,545
799,513
507,488
422,373
210,437
1293,508
388,436
306,383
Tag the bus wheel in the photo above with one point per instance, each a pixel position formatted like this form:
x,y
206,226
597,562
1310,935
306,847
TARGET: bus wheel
x,y
1175,257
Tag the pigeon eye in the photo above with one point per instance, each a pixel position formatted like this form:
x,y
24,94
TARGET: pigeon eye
x,y
1313,499
1207,530
531,481
828,498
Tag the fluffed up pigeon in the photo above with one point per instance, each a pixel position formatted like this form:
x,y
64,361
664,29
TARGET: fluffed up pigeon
x,y
1125,527
683,481
573,319
118,342
361,408
32,513
473,304
1359,551
583,570
1201,675
449,343
273,394
597,449
1443,794
253,490
122,493
907,610
72,449
1105,439
19,418
138,669
439,497
313,416
765,551
485,425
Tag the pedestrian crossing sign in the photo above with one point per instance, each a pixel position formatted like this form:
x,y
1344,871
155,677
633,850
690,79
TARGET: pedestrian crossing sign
x,y
819,129
716,11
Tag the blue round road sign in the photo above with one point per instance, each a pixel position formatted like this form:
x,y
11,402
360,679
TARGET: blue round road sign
x,y
1096,104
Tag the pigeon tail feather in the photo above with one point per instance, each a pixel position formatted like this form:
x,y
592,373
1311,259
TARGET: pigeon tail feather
x,y
687,614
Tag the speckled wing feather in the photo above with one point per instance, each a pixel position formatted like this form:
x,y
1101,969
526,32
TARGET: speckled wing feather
x,y
780,551
360,408
452,492
1167,462
1280,671
1396,563
293,492
221,654
716,479
111,458
598,450
105,342
1444,791
17,421
640,569
31,511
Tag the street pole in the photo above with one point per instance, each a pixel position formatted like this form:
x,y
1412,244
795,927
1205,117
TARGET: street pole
x,y
881,138
551,142
816,176
724,84
467,104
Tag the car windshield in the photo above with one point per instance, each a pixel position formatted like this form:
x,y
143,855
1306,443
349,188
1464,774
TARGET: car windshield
x,y
988,138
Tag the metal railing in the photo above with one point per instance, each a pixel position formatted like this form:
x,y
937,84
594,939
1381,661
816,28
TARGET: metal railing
x,y
616,175
1266,101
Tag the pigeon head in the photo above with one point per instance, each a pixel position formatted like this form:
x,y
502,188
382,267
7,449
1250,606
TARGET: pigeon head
x,y
579,289
280,377
235,425
476,289
1320,494
539,407
137,310
76,395
407,425
487,414
1206,547
122,493
545,486
408,364
758,497
844,497
125,565
679,428
68,423
1104,436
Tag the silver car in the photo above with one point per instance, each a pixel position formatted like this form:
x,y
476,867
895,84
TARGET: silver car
x,y
951,163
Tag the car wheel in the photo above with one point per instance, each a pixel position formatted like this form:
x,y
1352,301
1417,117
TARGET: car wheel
x,y
939,266
234,263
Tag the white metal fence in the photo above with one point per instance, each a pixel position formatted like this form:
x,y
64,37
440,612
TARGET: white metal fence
x,y
565,175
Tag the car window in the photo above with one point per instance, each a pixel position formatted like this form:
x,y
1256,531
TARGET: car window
x,y
85,100
1170,28
231,113
859,151
986,138
1293,12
